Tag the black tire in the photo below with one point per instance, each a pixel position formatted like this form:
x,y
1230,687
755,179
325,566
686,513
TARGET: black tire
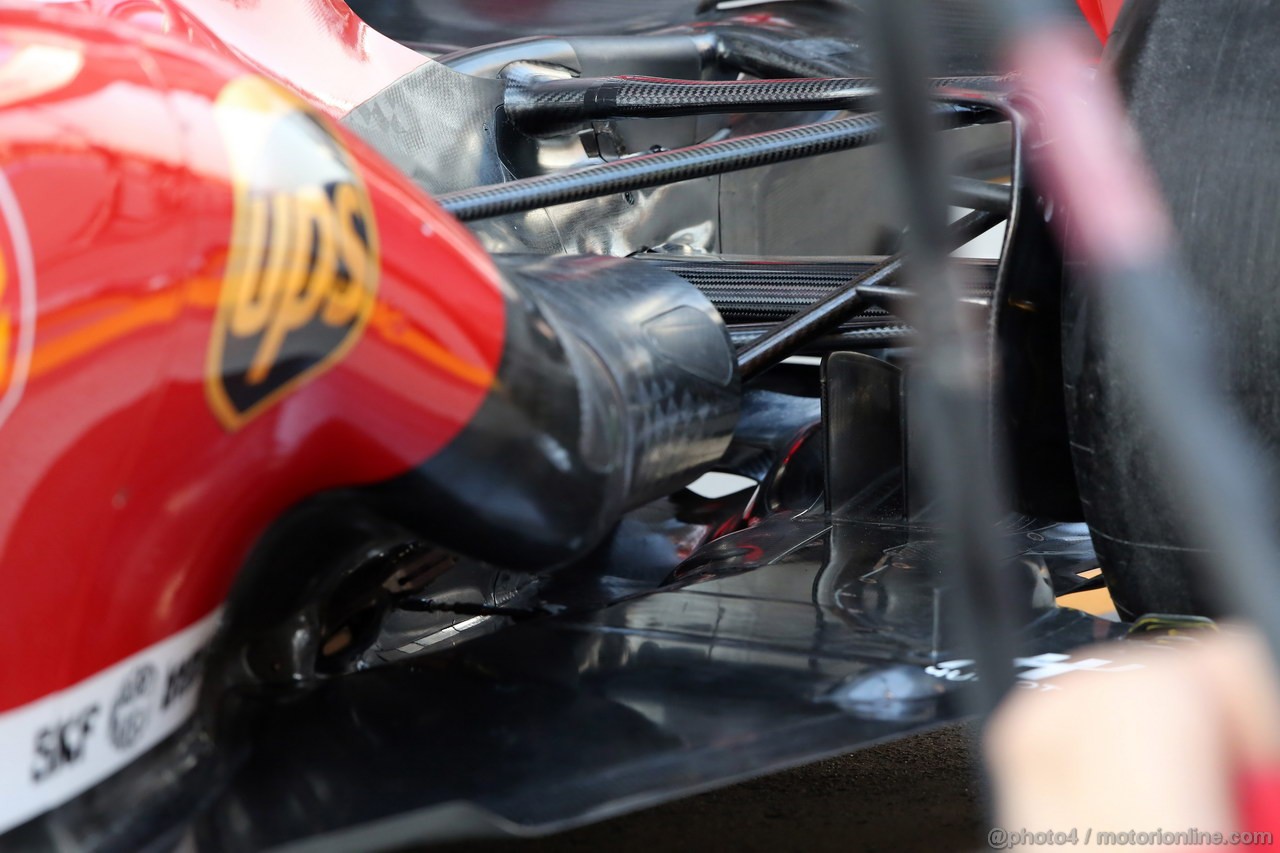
x,y
1201,82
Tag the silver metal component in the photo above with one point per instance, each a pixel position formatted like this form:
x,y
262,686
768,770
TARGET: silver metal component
x,y
406,633
842,203
443,128
437,125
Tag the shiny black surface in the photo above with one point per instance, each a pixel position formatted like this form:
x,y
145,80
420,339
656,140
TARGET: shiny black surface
x,y
1025,344
465,23
804,639
807,633
616,387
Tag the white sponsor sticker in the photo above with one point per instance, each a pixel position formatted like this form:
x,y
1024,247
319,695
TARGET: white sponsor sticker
x,y
715,484
1032,670
59,745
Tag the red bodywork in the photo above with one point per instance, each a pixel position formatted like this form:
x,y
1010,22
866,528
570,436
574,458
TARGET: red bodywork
x,y
128,503
318,48
1101,15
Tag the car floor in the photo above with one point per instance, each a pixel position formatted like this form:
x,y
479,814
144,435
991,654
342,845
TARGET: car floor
x,y
921,793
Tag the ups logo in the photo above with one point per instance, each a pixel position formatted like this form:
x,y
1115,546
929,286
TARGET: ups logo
x,y
302,271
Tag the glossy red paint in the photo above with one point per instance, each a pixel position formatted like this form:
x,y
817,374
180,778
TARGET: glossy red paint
x,y
318,48
127,505
1101,15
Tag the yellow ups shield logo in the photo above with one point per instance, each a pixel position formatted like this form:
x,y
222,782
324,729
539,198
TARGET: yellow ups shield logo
x,y
302,270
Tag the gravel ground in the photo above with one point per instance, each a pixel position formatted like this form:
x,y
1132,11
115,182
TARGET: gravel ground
x,y
916,794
